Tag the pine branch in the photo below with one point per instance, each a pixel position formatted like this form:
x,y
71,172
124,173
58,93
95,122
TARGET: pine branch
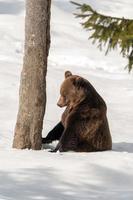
x,y
112,32
77,4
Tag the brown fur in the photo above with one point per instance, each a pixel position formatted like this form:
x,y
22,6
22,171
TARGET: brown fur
x,y
85,123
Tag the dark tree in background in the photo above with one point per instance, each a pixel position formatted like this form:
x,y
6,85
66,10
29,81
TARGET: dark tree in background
x,y
32,99
109,32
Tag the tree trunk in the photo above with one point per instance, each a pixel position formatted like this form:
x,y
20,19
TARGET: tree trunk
x,y
32,97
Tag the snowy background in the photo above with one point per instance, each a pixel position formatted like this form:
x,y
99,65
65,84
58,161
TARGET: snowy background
x,y
40,175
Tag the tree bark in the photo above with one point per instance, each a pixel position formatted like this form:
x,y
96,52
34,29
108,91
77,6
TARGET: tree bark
x,y
32,94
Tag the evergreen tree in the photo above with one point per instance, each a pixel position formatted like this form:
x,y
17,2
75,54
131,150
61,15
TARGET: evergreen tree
x,y
109,32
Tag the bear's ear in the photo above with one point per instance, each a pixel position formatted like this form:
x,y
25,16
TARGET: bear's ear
x,y
68,74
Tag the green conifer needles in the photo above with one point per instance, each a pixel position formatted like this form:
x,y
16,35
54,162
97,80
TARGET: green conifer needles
x,y
109,32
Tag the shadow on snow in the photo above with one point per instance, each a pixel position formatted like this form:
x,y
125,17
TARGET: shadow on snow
x,y
123,147
11,7
47,183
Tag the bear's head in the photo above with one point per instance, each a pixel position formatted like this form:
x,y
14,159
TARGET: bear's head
x,y
70,93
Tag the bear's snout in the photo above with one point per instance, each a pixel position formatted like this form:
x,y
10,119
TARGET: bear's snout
x,y
58,104
61,103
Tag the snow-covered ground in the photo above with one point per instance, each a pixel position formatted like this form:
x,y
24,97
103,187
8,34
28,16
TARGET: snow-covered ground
x,y
40,175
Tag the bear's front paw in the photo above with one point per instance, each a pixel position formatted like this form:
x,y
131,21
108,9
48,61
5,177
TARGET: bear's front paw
x,y
53,151
46,141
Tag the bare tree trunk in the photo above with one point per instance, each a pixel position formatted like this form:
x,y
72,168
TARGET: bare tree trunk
x,y
32,97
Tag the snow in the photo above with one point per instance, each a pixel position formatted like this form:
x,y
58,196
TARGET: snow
x,y
29,175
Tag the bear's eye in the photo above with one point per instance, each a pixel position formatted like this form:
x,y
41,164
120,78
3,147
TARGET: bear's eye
x,y
64,96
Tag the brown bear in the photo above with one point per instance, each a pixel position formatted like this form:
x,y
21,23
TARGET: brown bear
x,y
84,125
